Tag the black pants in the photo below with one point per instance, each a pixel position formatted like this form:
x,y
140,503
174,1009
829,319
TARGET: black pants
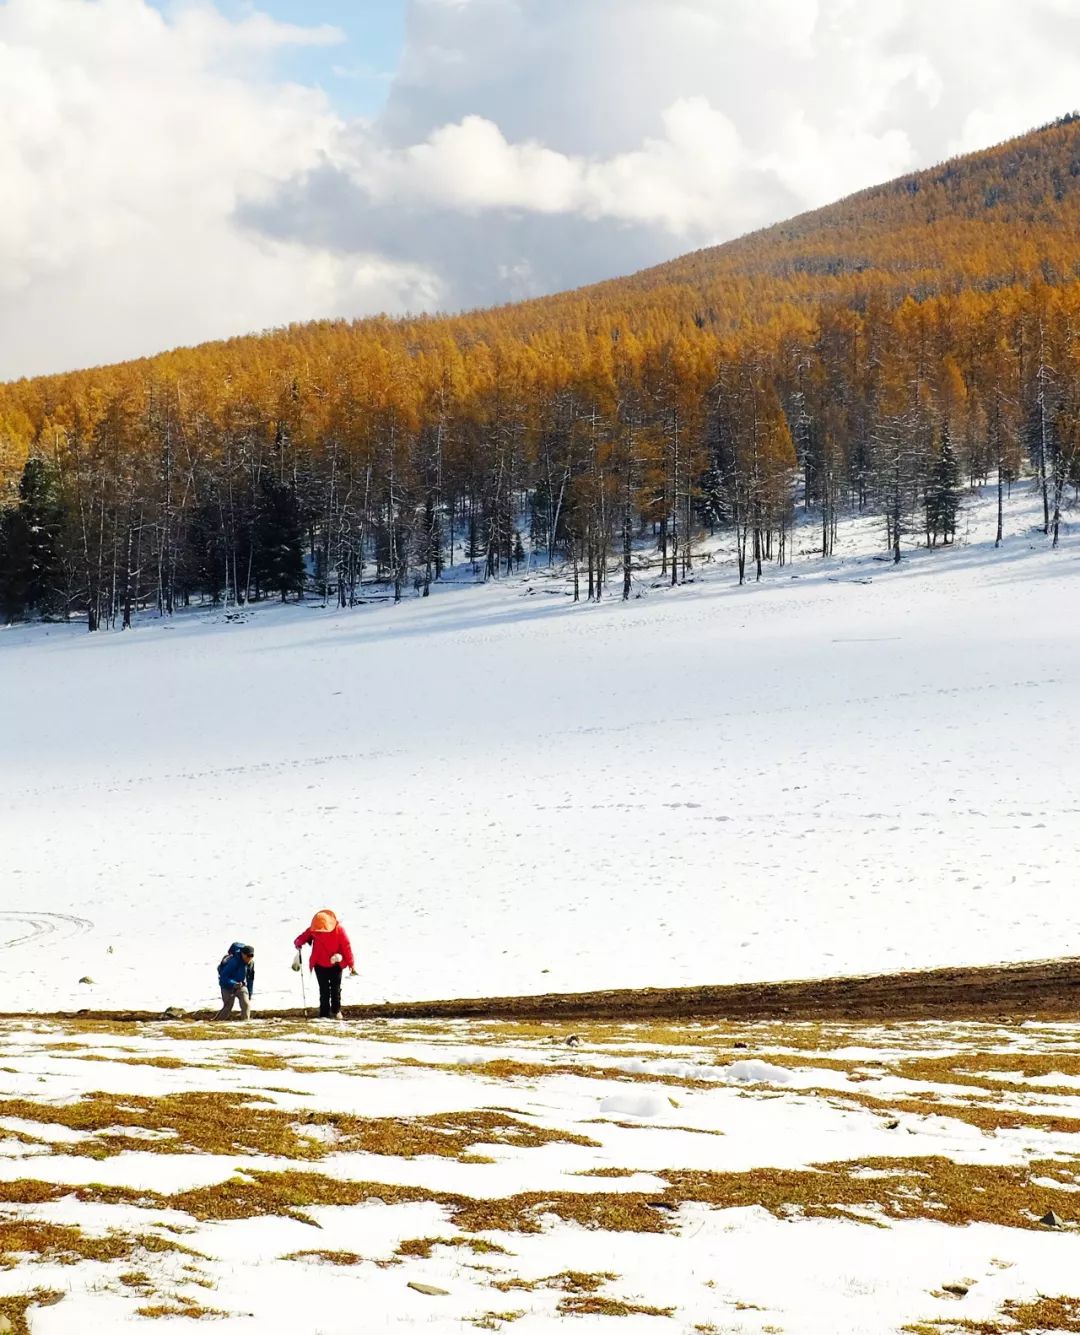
x,y
329,976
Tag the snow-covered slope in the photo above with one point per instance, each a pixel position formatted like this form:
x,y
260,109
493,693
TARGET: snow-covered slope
x,y
848,767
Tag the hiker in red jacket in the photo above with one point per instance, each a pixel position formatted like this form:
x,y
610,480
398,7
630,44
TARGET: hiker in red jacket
x,y
331,951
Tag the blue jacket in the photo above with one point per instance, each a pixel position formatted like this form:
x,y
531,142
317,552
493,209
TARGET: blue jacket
x,y
234,969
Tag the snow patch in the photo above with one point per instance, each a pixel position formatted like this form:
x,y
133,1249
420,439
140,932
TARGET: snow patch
x,y
634,1105
754,1072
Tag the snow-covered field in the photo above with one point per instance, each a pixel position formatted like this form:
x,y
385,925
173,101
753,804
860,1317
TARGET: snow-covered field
x,y
802,1179
846,768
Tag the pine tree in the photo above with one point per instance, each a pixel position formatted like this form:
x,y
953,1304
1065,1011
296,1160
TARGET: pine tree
x,y
30,570
279,540
943,493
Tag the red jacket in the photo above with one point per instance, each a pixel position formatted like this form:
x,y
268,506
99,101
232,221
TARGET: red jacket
x,y
325,944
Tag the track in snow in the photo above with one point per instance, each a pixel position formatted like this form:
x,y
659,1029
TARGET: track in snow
x,y
37,925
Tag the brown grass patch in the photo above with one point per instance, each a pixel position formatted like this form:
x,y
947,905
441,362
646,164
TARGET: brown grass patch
x,y
161,1063
616,1213
656,1126
422,1247
247,1124
262,1061
568,1281
1028,1065
326,1257
66,1244
1044,1314
220,1031
293,1194
658,1037
15,1308
987,1116
869,1191
506,1068
135,1279
595,1304
289,1195
180,1306
923,1188
30,1191
582,1297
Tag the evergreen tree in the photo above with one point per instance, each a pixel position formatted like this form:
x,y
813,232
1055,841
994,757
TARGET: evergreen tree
x,y
202,565
279,540
30,569
943,493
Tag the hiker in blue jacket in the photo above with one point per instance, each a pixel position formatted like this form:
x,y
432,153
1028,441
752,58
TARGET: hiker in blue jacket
x,y
236,978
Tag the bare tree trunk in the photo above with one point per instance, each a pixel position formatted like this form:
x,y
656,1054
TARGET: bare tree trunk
x,y
1000,502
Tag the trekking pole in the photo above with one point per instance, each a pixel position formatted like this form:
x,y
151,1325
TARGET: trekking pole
x,y
303,985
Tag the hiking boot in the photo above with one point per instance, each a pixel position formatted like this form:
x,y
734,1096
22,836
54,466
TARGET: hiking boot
x,y
338,1015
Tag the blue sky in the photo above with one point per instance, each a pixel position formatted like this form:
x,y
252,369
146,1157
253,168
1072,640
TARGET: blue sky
x,y
355,74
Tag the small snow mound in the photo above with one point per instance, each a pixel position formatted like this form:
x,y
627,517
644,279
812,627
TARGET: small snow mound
x,y
756,1073
682,1070
633,1105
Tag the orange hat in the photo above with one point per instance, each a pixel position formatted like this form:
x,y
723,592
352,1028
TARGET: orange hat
x,y
324,921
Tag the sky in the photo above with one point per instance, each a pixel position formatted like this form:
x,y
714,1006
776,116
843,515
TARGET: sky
x,y
355,71
178,170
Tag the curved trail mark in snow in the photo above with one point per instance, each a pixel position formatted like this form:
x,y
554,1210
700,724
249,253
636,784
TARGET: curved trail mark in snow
x,y
35,925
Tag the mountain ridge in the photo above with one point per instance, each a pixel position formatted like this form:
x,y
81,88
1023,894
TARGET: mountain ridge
x,y
1053,148
872,354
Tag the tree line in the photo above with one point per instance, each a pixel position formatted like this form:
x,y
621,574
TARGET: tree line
x,y
334,462
873,357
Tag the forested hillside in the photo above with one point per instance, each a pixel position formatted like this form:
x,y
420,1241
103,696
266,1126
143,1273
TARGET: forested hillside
x,y
876,354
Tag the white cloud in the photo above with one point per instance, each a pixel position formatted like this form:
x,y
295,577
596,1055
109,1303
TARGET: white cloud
x,y
127,141
696,178
162,184
666,124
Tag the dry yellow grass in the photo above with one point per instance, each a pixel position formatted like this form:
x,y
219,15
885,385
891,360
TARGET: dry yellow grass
x,y
326,1257
597,1304
506,1068
1044,1314
582,1296
423,1247
16,1307
987,1115
262,1061
868,1191
23,1240
249,1124
663,1035
135,1279
1029,1065
160,1063
567,1281
922,1188
182,1307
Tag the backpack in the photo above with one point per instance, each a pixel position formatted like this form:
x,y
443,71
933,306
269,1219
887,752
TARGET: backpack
x,y
234,950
